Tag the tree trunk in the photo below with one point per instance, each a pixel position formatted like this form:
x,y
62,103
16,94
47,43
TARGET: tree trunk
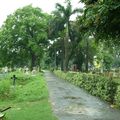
x,y
62,60
39,68
66,45
62,67
39,65
87,57
55,60
33,61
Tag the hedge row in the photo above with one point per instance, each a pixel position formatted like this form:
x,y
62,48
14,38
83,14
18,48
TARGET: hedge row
x,y
117,97
97,85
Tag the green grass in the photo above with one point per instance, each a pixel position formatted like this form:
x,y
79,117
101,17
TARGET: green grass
x,y
37,110
28,99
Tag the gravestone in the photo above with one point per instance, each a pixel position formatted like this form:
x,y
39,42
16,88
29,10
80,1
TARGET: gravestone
x,y
14,79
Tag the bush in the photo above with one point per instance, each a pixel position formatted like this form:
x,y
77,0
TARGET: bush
x,y
117,97
97,85
4,89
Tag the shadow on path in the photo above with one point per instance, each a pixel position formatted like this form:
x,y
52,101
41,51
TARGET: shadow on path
x,y
72,103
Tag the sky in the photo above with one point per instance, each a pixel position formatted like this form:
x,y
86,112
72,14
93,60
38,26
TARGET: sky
x,y
9,6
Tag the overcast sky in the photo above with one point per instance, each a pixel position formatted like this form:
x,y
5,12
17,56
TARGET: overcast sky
x,y
9,6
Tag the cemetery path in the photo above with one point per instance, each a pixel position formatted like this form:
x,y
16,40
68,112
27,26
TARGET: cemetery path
x,y
72,103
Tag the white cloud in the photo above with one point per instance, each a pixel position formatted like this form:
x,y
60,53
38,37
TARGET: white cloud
x,y
9,6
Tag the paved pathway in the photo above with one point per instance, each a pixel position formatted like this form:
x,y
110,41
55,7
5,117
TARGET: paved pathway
x,y
72,103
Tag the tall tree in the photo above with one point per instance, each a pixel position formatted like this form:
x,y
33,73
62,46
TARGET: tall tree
x,y
66,13
24,35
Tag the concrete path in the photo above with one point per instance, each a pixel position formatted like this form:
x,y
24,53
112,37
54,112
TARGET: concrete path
x,y
72,103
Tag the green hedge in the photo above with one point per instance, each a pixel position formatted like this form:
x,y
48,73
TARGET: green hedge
x,y
97,85
117,97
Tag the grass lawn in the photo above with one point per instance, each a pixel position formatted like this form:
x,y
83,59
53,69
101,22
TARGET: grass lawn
x,y
28,99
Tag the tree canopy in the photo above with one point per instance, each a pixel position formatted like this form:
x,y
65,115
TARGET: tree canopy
x,y
102,17
24,36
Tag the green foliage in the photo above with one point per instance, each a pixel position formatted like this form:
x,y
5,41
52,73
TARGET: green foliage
x,y
117,97
88,2
24,35
64,29
107,61
4,89
117,62
102,17
88,49
97,85
106,56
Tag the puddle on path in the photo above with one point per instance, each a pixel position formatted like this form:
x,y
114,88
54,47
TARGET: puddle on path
x,y
79,109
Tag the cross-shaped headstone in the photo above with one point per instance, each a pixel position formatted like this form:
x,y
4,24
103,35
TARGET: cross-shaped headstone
x,y
14,79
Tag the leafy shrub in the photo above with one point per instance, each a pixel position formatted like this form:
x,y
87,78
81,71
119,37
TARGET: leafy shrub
x,y
97,85
4,89
117,96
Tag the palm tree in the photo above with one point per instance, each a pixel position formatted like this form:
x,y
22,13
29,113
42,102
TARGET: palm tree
x,y
66,13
